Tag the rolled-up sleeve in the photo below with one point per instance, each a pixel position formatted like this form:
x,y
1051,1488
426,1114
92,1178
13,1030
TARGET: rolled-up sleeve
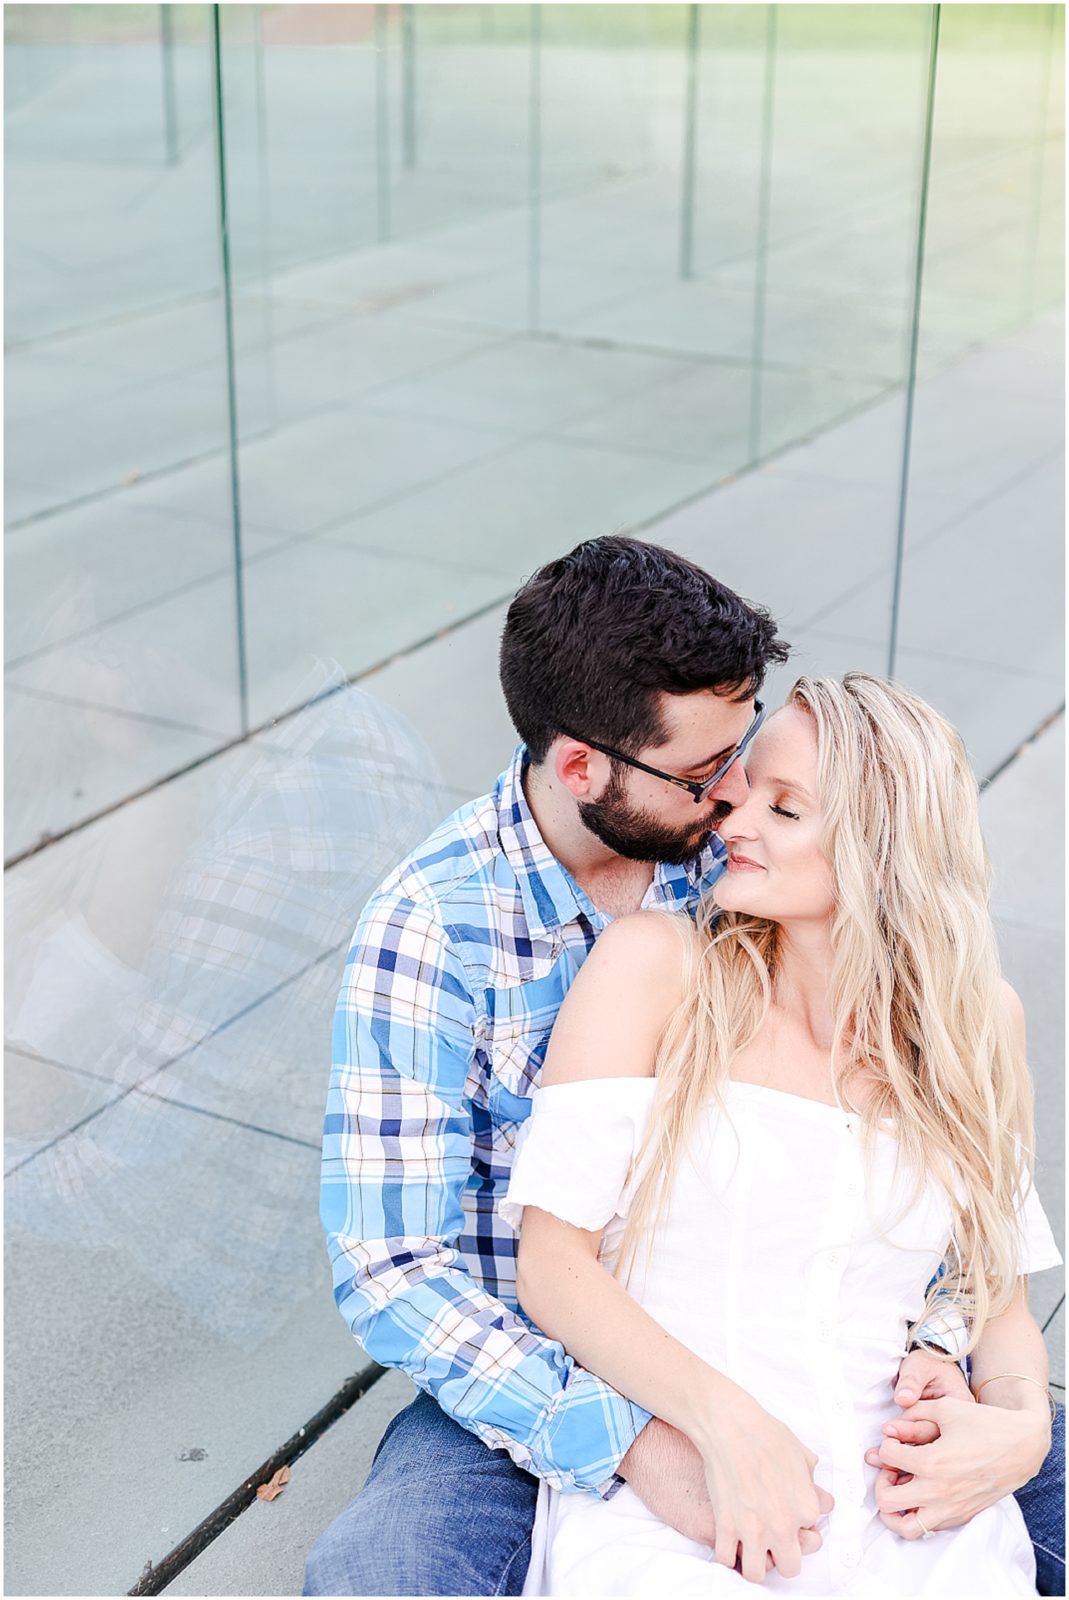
x,y
397,1157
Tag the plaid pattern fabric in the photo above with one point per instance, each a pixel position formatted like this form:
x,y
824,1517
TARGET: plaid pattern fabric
x,y
453,980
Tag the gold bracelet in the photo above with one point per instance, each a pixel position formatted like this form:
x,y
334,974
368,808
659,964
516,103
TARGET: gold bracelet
x,y
1050,1398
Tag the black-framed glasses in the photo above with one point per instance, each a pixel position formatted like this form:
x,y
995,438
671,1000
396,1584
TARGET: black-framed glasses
x,y
698,790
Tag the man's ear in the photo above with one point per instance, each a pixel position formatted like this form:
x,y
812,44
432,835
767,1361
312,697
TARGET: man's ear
x,y
576,766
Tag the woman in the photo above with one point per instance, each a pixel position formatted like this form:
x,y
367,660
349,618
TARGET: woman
x,y
758,1138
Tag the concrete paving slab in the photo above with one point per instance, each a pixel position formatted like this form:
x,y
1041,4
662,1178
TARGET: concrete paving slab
x,y
76,569
159,341
1014,624
34,382
693,318
964,439
401,272
1034,962
270,1066
1056,1347
527,381
464,722
1030,362
1021,811
78,757
502,300
329,466
758,534
133,939
264,1550
511,513
704,413
174,1364
314,601
1021,814
42,1101
303,603
988,707
175,660
335,363
86,449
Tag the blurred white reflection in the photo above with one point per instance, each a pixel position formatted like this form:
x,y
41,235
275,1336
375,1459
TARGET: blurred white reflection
x,y
197,1153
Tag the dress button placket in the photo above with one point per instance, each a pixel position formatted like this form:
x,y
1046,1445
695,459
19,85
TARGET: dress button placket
x,y
848,1518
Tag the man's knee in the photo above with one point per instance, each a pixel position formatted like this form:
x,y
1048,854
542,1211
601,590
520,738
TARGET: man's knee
x,y
360,1553
393,1543
440,1514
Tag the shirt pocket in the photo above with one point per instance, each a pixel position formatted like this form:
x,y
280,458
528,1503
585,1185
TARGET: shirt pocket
x,y
508,1111
517,1037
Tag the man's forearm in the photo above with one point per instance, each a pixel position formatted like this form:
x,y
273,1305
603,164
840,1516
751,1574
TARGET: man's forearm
x,y
563,1286
512,1387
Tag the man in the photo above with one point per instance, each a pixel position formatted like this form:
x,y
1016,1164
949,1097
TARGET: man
x,y
631,678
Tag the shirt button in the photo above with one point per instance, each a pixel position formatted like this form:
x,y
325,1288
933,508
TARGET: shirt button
x,y
850,1558
854,1186
834,1259
825,1330
839,1406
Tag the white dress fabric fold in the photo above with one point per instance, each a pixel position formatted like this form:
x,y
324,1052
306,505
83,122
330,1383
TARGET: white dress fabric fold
x,y
795,1265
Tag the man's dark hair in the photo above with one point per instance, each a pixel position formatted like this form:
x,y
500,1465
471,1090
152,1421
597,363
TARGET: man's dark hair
x,y
593,639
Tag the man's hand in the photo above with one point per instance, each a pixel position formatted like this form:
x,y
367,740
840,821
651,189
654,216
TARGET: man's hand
x,y
922,1376
668,1475
979,1454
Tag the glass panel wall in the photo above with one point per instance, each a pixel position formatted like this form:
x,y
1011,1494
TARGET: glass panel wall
x,y
121,663
500,278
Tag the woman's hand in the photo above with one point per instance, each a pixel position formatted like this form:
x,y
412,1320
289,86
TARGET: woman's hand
x,y
953,1457
981,1454
760,1480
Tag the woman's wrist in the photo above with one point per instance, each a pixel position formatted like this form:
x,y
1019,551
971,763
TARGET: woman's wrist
x,y
1014,1391
720,1408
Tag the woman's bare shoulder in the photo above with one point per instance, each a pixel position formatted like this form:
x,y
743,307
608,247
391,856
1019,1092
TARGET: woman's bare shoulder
x,y
615,1012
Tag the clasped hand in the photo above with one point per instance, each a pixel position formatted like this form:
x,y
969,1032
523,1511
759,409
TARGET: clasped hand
x,y
947,1458
753,1470
760,1480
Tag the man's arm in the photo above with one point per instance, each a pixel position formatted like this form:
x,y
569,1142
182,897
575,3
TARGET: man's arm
x,y
397,1157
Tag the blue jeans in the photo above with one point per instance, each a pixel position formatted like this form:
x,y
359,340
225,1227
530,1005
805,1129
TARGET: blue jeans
x,y
441,1514
1043,1504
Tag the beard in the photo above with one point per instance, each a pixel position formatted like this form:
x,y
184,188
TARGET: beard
x,y
637,835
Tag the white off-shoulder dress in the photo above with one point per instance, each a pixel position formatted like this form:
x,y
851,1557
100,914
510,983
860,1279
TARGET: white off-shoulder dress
x,y
794,1266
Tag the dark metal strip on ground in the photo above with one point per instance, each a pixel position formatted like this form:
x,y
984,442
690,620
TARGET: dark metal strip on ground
x,y
155,1577
1053,1314
1032,737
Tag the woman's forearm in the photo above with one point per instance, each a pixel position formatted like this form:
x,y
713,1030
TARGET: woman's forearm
x,y
1010,1360
570,1295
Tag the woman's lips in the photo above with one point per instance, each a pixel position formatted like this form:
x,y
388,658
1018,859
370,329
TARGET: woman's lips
x,y
742,864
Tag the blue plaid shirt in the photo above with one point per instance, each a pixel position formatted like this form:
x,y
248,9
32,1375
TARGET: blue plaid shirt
x,y
452,983
453,980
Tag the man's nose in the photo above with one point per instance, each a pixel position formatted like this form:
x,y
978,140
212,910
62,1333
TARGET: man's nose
x,y
733,787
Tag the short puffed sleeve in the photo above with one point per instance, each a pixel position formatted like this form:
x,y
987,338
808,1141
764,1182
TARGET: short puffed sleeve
x,y
1038,1250
575,1151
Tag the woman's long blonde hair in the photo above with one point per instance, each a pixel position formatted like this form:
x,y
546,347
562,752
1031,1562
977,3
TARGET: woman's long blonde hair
x,y
916,992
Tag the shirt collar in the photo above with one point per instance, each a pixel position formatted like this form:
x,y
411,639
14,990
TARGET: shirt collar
x,y
551,897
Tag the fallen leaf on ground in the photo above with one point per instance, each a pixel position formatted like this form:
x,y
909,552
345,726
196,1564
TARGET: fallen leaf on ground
x,y
268,1491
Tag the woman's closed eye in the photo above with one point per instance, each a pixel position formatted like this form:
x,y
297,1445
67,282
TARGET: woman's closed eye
x,y
781,811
